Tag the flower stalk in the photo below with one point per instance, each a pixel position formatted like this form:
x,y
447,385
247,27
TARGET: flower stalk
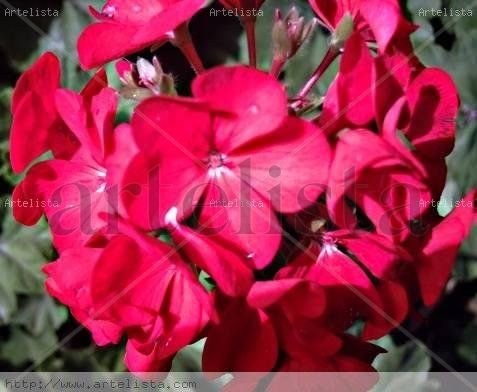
x,y
183,40
249,26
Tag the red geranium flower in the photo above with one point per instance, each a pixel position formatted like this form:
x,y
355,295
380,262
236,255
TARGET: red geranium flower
x,y
69,280
233,150
132,284
359,271
143,285
125,27
279,326
275,315
388,185
79,195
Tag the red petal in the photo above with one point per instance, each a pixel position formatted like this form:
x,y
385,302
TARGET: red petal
x,y
243,341
256,99
383,18
433,102
69,282
441,246
354,82
269,165
42,78
236,211
102,42
95,84
330,11
222,259
30,131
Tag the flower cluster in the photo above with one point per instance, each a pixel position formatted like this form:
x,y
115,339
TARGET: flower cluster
x,y
227,214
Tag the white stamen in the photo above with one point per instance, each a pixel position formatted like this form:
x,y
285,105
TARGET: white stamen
x,y
101,188
171,217
329,248
109,11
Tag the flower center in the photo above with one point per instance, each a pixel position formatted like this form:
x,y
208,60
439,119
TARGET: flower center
x,y
328,245
216,164
216,160
109,11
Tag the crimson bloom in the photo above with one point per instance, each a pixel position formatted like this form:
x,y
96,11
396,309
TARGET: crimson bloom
x,y
249,332
279,326
232,150
154,296
126,27
79,195
359,271
221,175
388,185
136,285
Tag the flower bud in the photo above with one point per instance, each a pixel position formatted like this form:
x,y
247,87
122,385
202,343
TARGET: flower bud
x,y
289,33
125,70
147,72
144,79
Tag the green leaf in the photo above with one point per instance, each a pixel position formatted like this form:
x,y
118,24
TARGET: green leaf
x,y
206,281
456,61
415,5
5,116
39,313
189,359
410,359
467,348
22,348
23,251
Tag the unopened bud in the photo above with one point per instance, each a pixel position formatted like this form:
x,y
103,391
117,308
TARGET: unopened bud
x,y
144,79
290,33
146,71
125,71
343,31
